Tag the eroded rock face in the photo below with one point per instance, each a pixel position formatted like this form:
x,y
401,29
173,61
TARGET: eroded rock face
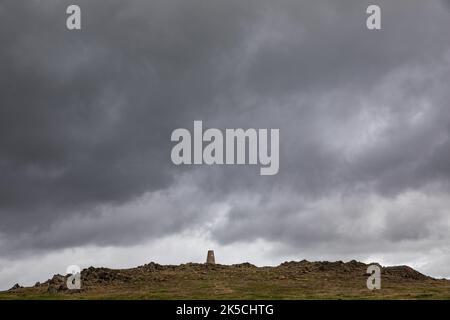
x,y
15,287
52,289
93,275
353,266
404,272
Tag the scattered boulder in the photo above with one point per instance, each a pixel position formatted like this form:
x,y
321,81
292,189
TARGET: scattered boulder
x,y
15,287
244,265
152,266
56,280
52,289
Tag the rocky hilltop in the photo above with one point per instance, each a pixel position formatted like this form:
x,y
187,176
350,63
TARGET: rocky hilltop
x,y
290,280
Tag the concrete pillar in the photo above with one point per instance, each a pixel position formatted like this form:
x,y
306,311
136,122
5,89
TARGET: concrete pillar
x,y
210,257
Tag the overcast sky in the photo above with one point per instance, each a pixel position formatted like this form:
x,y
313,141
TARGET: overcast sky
x,y
86,117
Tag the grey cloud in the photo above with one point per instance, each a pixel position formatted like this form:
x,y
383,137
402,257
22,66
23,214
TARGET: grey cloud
x,y
86,116
85,121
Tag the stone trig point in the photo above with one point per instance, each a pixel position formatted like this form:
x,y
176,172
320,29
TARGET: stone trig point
x,y
210,257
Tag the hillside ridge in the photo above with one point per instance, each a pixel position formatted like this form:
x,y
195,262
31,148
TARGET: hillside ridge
x,y
290,279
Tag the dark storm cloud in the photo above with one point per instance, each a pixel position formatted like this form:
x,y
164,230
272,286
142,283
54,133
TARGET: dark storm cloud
x,y
86,118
